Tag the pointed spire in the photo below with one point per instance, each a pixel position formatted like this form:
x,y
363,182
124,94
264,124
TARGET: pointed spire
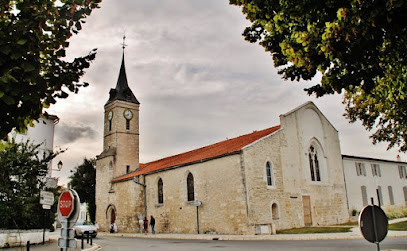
x,y
122,80
122,90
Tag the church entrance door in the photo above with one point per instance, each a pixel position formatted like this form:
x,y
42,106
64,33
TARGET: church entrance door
x,y
306,203
112,216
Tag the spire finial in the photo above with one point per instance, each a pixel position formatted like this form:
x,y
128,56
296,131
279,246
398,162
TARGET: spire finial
x,y
123,44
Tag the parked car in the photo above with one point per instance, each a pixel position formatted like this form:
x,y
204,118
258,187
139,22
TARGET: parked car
x,y
83,229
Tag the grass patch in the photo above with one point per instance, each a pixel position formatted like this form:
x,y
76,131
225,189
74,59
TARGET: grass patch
x,y
314,230
401,226
349,223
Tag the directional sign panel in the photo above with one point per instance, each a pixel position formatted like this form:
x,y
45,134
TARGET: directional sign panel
x,y
46,198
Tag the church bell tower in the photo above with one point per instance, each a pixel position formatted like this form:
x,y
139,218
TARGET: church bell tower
x,y
121,126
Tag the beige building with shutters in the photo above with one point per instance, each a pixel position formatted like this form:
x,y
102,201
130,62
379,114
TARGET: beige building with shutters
x,y
289,175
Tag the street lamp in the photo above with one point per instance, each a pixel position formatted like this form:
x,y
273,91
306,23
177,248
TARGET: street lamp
x,y
60,164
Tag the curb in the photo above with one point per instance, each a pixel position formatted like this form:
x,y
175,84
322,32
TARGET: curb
x,y
354,234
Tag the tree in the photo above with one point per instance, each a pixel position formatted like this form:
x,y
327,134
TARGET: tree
x,y
83,181
23,168
33,40
359,47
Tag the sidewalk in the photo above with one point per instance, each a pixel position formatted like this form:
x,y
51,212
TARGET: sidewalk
x,y
354,234
52,245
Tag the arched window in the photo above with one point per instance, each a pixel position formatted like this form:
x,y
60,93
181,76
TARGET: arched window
x,y
190,187
274,212
160,192
314,164
269,172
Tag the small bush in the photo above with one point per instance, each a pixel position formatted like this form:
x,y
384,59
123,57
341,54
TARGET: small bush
x,y
394,212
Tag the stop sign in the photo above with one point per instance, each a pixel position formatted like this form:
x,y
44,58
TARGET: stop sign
x,y
66,204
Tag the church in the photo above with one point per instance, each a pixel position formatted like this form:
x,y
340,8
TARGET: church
x,y
285,176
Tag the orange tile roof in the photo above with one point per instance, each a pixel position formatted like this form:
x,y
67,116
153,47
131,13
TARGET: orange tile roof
x,y
223,148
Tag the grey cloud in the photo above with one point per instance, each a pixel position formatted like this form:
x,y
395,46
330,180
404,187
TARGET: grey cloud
x,y
67,133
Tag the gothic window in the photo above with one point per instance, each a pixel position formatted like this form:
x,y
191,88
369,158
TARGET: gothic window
x,y
364,195
160,192
269,172
127,124
314,164
391,197
190,187
110,125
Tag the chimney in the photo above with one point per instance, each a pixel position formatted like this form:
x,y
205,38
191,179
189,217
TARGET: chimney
x,y
398,158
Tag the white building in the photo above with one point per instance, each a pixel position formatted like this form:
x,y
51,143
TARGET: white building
x,y
368,178
41,132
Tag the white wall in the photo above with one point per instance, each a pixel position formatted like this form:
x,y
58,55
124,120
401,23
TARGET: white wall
x,y
16,238
41,132
389,177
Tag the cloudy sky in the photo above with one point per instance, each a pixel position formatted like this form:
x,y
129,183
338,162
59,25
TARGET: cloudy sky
x,y
197,79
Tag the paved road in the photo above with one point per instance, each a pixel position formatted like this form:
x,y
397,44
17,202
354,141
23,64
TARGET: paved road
x,y
125,243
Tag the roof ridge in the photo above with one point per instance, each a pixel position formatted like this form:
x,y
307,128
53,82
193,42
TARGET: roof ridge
x,y
202,154
219,142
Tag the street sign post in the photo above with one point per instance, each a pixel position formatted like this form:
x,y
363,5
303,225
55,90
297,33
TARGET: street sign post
x,y
68,213
197,203
46,200
373,224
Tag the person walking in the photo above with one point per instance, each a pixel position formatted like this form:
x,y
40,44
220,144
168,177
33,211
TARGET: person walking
x,y
145,225
152,223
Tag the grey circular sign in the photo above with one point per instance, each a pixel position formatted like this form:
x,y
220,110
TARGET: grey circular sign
x,y
367,226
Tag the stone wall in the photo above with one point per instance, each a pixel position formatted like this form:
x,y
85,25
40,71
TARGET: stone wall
x,y
261,196
302,128
218,184
126,198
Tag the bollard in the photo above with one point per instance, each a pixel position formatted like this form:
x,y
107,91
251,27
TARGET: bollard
x,y
28,245
91,240
87,239
82,241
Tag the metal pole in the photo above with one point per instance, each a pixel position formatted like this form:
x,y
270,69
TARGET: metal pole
x,y
378,197
197,218
43,232
28,246
375,227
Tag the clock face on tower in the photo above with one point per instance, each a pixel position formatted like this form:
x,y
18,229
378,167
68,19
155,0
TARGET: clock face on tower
x,y
110,115
128,114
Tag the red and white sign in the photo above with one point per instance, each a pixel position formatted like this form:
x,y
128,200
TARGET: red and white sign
x,y
66,204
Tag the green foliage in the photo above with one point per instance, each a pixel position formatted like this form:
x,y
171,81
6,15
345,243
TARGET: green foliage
x,y
400,226
33,41
359,48
83,181
22,171
314,230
